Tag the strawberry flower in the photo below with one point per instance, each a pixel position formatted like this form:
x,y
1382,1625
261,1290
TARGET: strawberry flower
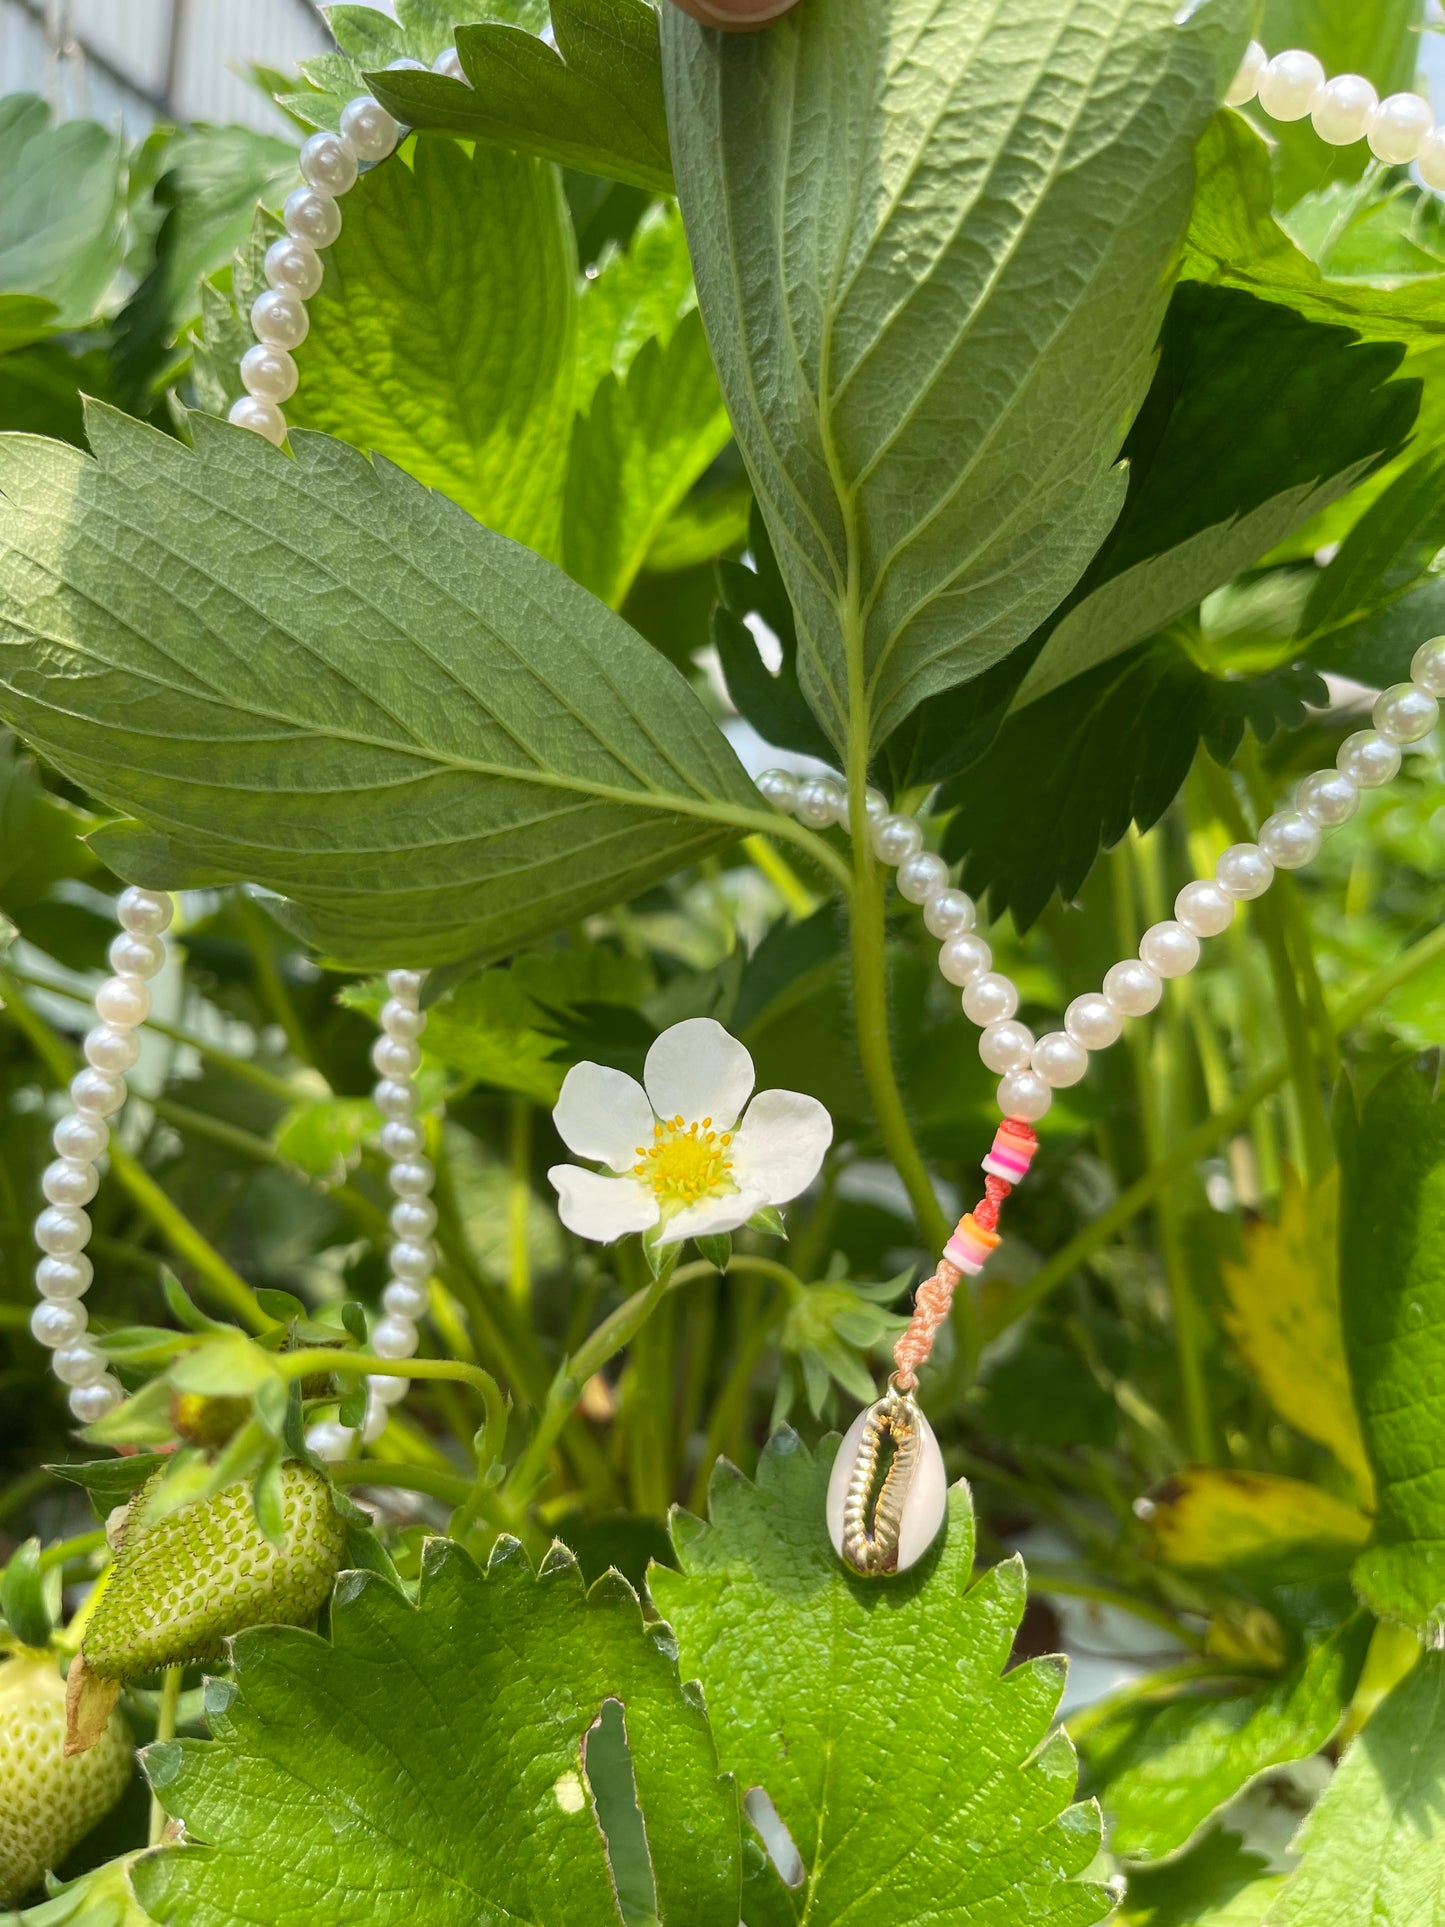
x,y
679,1162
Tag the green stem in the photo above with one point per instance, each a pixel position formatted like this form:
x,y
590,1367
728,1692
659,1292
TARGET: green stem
x,y
165,1730
1186,1673
257,926
447,1486
80,1547
226,1285
784,878
730,1407
519,1200
1202,1139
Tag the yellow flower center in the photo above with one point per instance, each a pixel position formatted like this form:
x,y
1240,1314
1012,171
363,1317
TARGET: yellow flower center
x,y
686,1162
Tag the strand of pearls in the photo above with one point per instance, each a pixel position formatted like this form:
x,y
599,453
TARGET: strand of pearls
x,y
1031,1069
1292,86
330,165
62,1230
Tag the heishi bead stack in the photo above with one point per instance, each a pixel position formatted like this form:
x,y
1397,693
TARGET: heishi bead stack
x,y
330,166
62,1231
396,1058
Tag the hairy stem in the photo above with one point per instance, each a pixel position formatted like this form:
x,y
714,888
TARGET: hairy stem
x,y
165,1730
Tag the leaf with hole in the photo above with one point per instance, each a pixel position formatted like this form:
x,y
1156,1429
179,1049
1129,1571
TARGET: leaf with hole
x,y
451,751
459,1783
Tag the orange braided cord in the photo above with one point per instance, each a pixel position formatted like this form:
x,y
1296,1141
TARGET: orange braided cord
x,y
930,1310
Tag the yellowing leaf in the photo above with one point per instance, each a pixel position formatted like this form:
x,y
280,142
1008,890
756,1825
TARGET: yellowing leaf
x,y
1285,1320
1210,1518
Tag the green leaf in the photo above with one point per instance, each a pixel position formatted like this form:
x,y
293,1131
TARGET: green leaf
x,y
453,751
1392,1297
441,336
635,455
1161,1770
23,1603
1372,596
593,101
1110,748
933,250
60,217
458,1759
1373,1849
639,293
904,1764
1207,502
110,1482
101,1898
718,1251
1045,1394
1215,1884
324,1137
770,699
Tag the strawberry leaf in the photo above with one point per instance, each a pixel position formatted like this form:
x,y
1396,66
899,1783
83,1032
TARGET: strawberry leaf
x,y
916,1778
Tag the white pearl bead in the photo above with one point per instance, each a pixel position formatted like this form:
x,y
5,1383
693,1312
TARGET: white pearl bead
x,y
123,1001
68,1181
896,838
1368,759
1431,162
395,1058
921,877
406,1299
402,1138
403,1020
90,1403
268,373
1398,126
413,1219
1059,1059
394,1097
375,1422
96,1093
964,958
1289,84
367,129
412,1263
79,1365
1328,798
1132,988
1427,670
780,788
261,417
412,1179
292,267
948,914
56,1322
328,164
330,1441
449,63
1005,1046
818,802
111,1049
311,216
64,1277
145,913
1245,85
1169,949
1024,1094
875,804
132,956
989,999
81,1138
394,1337
279,317
1244,871
62,1229
1290,839
407,65
386,1390
1404,713
1091,1020
1204,908
405,986
1342,110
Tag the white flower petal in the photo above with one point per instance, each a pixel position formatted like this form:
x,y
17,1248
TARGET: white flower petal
x,y
603,1114
601,1208
780,1145
697,1070
710,1217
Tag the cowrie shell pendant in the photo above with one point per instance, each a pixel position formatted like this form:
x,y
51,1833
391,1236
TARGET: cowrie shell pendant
x,y
884,1513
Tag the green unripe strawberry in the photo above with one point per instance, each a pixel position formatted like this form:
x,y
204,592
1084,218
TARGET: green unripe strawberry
x,y
48,1803
182,1584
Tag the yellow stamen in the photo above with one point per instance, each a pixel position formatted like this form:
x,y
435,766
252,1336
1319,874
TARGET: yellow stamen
x,y
687,1162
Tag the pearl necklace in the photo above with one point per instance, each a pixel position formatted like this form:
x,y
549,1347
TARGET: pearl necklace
x,y
876,1527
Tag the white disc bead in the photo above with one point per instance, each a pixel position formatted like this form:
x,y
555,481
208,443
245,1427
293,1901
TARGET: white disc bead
x,y
1024,1094
1290,83
1092,1021
1204,908
1059,1059
1005,1046
1131,988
